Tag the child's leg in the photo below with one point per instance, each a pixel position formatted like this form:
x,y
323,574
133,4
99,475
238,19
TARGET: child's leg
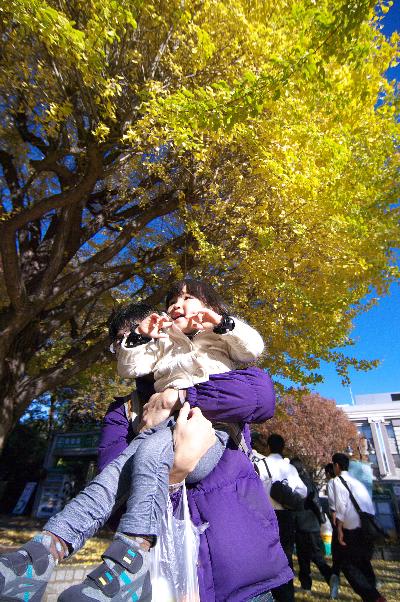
x,y
91,508
124,574
121,573
148,491
28,570
151,465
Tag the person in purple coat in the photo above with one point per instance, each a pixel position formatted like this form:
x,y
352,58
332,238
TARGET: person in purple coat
x,y
231,499
96,501
242,397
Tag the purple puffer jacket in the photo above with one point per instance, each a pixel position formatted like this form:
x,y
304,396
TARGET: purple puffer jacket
x,y
240,554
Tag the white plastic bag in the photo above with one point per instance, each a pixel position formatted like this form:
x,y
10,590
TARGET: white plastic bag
x,y
174,558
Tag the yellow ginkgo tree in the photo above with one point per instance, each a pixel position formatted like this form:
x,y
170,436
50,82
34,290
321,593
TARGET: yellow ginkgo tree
x,y
250,141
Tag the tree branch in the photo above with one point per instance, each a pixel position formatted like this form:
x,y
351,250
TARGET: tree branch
x,y
12,270
10,172
99,259
58,201
49,163
55,257
115,275
27,136
30,388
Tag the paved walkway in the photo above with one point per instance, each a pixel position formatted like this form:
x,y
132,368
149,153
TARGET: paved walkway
x,y
63,577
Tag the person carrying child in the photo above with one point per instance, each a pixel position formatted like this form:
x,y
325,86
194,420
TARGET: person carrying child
x,y
196,339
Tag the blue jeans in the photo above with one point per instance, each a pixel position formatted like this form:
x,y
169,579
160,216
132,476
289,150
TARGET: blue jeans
x,y
138,476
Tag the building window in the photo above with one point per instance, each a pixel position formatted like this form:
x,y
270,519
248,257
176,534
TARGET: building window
x,y
393,443
366,430
395,396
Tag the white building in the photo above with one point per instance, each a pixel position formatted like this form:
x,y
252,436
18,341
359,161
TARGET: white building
x,y
377,417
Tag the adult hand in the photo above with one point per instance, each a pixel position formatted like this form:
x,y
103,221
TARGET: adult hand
x,y
152,326
193,437
340,534
159,407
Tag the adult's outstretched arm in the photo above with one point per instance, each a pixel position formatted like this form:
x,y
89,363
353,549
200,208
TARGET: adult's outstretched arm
x,y
237,396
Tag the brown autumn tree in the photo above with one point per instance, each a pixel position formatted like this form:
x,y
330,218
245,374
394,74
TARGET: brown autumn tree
x,y
313,428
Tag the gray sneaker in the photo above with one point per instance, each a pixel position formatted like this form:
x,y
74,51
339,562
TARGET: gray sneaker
x,y
25,573
334,586
124,575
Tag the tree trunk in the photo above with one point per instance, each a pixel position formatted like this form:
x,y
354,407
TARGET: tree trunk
x,y
7,419
52,411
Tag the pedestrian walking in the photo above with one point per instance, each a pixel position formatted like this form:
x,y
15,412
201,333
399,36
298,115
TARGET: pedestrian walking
x,y
355,552
309,545
282,470
335,546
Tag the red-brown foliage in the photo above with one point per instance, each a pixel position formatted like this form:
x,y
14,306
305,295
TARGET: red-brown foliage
x,y
313,428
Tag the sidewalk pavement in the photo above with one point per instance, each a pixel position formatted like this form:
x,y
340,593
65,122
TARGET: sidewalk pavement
x,y
63,577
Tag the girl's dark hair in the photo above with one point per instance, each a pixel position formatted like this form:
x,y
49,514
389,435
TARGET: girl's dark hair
x,y
200,289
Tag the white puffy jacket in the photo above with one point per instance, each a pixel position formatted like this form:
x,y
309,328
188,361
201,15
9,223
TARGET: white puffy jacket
x,y
179,362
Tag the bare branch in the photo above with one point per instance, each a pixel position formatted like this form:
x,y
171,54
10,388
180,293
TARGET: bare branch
x,y
58,201
99,259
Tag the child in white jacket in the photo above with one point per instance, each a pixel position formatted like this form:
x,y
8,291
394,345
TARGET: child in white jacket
x,y
187,344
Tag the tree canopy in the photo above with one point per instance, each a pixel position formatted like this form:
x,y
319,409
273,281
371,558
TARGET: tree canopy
x,y
254,142
313,428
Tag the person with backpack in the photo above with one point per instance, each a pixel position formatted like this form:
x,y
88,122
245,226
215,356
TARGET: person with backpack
x,y
355,551
309,545
281,470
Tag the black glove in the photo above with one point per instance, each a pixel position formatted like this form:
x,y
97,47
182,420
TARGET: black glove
x,y
226,325
135,339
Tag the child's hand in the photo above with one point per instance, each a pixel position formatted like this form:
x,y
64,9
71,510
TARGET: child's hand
x,y
205,319
152,325
159,407
58,547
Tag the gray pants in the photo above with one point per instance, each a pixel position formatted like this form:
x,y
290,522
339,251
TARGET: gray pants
x,y
139,476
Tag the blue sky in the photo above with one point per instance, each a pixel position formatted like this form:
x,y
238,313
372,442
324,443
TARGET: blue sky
x,y
377,332
377,335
